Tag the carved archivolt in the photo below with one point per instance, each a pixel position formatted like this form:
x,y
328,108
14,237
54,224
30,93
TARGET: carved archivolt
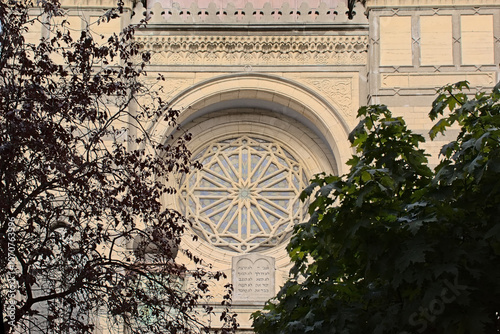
x,y
256,50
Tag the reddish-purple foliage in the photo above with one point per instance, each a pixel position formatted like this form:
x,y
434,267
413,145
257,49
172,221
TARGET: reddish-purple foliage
x,y
81,180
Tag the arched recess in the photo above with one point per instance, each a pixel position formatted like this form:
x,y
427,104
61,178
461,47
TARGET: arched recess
x,y
275,109
215,141
265,92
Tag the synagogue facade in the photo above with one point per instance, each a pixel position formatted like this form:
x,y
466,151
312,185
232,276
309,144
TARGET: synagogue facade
x,y
270,90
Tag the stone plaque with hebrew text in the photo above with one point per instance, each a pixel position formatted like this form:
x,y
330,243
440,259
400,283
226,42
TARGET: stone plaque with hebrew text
x,y
253,277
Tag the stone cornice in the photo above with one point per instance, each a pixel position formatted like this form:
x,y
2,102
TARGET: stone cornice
x,y
380,4
94,3
213,14
256,50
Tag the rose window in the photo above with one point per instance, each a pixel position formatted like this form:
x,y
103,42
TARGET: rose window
x,y
246,196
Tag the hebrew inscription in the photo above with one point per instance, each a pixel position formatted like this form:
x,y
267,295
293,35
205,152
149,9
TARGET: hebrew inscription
x,y
253,277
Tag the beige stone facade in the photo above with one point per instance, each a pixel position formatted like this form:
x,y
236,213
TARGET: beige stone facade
x,y
289,77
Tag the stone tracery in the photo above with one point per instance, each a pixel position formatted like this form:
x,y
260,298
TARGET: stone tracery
x,y
256,50
246,197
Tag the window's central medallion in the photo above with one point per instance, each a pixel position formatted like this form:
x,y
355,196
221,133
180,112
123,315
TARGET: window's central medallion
x,y
245,193
246,196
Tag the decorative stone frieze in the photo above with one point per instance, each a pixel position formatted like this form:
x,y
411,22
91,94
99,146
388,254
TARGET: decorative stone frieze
x,y
256,50
214,14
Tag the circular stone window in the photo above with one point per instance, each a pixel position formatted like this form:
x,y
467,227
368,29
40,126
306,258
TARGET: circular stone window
x,y
246,196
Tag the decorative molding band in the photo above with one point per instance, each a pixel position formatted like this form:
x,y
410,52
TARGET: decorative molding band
x,y
436,80
214,14
256,50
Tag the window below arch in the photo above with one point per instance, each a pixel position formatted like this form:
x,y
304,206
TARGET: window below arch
x,y
245,199
246,196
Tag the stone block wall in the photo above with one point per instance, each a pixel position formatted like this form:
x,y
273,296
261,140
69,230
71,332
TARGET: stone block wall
x,y
418,46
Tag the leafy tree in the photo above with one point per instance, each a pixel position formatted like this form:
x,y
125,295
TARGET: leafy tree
x,y
77,189
393,246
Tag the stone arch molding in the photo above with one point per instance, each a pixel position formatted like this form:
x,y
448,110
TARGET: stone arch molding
x,y
274,109
276,94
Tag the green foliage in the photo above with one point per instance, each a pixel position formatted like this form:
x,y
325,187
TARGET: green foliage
x,y
394,247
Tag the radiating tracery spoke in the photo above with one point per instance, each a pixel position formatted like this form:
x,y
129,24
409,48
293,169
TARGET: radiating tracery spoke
x,y
247,194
